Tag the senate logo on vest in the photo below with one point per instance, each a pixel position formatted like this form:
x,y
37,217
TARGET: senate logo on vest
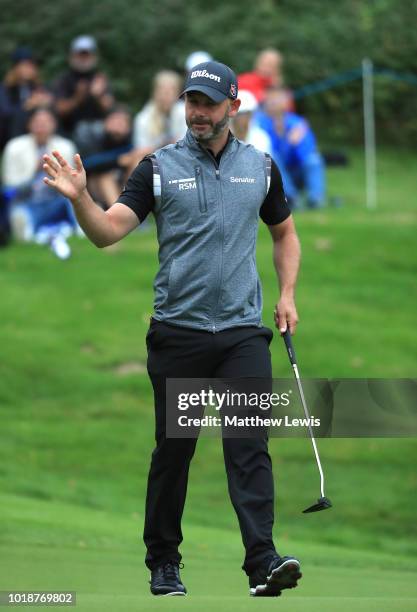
x,y
242,179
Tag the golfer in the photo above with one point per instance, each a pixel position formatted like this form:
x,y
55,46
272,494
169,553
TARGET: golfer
x,y
207,193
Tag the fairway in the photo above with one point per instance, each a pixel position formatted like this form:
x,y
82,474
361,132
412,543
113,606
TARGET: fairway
x,y
98,558
77,419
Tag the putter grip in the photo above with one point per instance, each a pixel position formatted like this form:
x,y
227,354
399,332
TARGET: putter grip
x,y
290,348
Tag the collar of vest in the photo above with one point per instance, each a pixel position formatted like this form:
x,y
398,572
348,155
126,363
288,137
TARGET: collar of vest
x,y
191,143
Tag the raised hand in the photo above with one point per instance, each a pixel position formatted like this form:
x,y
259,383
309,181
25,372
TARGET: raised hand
x,y
69,181
98,85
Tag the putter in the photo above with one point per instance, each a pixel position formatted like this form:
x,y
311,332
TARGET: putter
x,y
323,502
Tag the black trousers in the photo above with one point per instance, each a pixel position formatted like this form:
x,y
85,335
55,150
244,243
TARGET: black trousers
x,y
177,352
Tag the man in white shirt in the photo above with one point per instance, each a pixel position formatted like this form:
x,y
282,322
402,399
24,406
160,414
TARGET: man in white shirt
x,y
244,127
32,204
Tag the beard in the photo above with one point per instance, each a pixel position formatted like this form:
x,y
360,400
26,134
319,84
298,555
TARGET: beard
x,y
213,133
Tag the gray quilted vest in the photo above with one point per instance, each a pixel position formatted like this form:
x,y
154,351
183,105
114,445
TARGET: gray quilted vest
x,y
207,223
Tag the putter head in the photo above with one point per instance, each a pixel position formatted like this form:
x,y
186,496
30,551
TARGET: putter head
x,y
322,504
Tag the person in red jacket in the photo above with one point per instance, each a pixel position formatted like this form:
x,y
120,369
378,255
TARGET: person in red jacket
x,y
267,73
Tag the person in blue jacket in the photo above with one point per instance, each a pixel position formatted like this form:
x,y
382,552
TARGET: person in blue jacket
x,y
294,149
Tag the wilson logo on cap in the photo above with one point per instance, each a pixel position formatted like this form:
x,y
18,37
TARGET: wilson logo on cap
x,y
205,74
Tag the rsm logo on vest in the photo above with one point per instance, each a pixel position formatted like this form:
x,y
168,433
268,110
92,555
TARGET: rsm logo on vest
x,y
183,184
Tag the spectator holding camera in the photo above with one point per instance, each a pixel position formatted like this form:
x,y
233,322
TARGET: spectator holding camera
x,y
83,94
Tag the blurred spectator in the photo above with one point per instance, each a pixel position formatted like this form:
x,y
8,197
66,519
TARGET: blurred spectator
x,y
32,204
83,94
197,57
294,149
4,116
4,222
267,73
105,174
244,127
20,92
161,121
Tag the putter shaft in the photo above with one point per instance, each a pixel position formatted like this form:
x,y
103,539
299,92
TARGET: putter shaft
x,y
323,502
307,415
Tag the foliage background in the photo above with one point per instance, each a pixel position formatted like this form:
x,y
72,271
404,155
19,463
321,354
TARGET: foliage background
x,y
318,38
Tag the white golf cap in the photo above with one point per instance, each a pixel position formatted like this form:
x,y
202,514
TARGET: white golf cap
x,y
248,102
84,43
197,57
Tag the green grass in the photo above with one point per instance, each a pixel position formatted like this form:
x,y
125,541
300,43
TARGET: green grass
x,y
77,418
97,556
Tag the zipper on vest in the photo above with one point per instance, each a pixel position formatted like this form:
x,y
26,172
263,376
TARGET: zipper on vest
x,y
221,244
200,189
220,280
